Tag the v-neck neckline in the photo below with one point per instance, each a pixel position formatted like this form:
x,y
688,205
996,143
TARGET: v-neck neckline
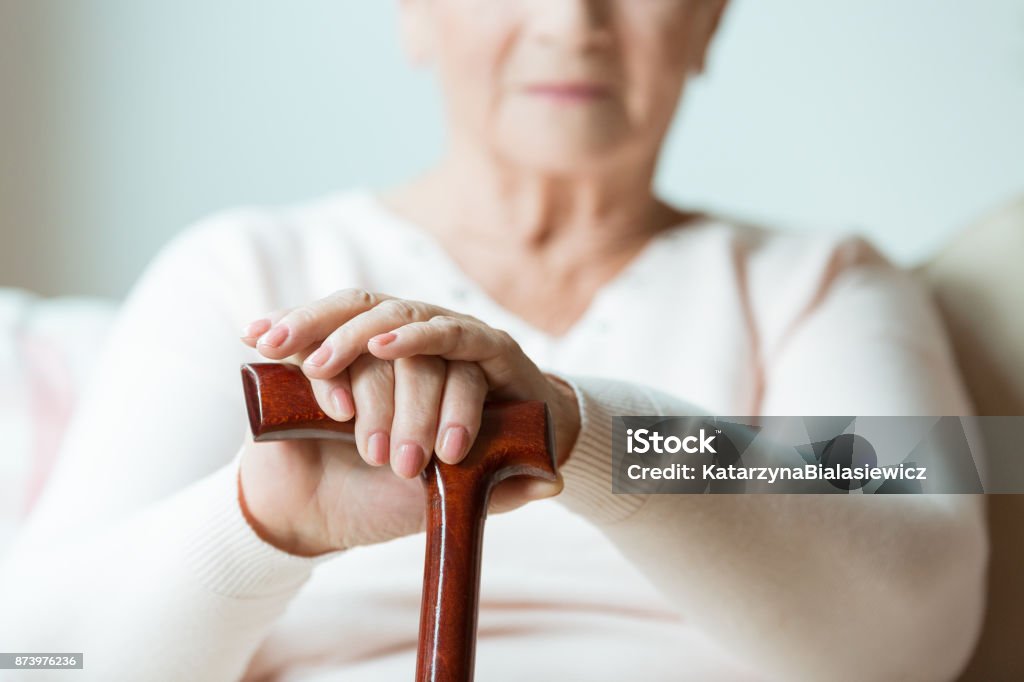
x,y
622,279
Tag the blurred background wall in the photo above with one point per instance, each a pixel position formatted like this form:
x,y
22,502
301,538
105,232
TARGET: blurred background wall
x,y
122,121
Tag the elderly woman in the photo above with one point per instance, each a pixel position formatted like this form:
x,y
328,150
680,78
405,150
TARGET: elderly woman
x,y
534,262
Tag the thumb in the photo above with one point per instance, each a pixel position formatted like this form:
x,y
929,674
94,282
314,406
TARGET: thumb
x,y
517,491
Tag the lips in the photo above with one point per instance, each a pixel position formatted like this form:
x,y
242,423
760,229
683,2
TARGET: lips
x,y
569,91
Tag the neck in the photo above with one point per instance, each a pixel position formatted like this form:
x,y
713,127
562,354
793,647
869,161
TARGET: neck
x,y
520,209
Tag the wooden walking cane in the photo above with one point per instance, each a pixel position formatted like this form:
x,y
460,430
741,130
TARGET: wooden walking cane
x,y
515,439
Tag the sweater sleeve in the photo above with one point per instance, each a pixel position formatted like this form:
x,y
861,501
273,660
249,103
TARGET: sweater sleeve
x,y
587,473
906,568
137,555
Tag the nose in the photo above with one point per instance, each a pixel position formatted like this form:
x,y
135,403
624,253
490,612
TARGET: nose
x,y
573,24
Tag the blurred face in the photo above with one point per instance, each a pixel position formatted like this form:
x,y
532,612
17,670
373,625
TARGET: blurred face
x,y
561,85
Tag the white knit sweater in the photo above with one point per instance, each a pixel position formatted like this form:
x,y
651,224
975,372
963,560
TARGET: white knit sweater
x,y
138,555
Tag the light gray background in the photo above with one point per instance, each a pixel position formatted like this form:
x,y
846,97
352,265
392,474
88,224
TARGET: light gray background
x,y
124,120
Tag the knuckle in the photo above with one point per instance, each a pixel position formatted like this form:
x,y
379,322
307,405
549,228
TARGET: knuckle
x,y
419,420
449,326
362,365
506,341
382,369
303,315
465,372
400,308
427,364
359,296
379,372
476,375
375,383
341,337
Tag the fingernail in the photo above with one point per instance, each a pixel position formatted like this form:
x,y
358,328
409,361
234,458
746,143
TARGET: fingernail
x,y
343,403
384,339
378,448
255,328
275,337
320,357
409,460
454,443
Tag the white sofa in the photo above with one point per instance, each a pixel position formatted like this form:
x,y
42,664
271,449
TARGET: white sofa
x,y
43,367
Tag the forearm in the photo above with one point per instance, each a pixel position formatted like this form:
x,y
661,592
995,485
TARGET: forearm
x,y
182,590
809,586
818,586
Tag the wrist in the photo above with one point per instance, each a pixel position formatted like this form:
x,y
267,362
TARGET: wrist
x,y
280,536
566,414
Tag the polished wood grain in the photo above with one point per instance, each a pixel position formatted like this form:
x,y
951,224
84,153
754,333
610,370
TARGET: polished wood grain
x,y
515,439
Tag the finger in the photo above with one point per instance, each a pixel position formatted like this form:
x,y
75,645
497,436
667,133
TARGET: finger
x,y
334,396
459,338
453,337
373,390
299,357
462,399
419,382
254,330
313,322
349,338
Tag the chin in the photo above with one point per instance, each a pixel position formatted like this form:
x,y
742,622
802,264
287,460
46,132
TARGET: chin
x,y
565,154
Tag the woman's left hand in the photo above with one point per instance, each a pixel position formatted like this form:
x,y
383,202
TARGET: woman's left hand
x,y
443,365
